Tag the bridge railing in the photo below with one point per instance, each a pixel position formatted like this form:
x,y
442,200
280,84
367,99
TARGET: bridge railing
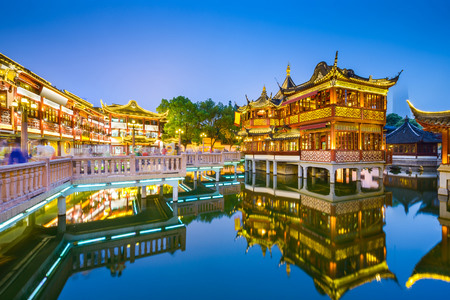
x,y
126,165
22,181
232,156
202,159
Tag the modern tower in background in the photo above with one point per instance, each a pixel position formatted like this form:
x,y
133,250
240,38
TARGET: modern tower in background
x,y
399,105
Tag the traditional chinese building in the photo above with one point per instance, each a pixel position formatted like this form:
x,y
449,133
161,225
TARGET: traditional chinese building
x,y
130,121
332,121
67,122
61,118
413,147
340,245
438,122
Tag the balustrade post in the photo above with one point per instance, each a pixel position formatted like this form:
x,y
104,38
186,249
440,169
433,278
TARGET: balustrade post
x,y
7,187
20,191
132,164
46,174
26,177
77,168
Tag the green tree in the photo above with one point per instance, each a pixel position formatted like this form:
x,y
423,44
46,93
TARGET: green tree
x,y
392,119
184,115
227,127
210,115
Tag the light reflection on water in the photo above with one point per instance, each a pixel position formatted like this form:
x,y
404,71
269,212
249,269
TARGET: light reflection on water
x,y
269,237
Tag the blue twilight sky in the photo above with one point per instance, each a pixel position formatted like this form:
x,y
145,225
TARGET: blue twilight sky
x,y
149,50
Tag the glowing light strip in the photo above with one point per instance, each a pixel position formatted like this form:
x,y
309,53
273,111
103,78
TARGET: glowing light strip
x,y
209,185
91,241
92,185
169,206
135,207
149,180
174,226
65,250
66,189
123,235
36,290
191,199
204,198
53,267
35,207
122,182
236,183
12,220
218,196
227,183
175,178
150,230
191,169
53,197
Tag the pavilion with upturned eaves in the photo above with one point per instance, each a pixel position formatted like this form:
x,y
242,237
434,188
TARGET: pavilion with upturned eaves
x,y
332,122
438,122
413,147
130,125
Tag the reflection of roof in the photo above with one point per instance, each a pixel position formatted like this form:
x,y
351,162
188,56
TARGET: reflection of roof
x,y
435,120
324,72
408,133
432,266
131,109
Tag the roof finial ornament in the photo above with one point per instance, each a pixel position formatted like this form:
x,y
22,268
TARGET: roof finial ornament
x,y
335,59
264,88
288,70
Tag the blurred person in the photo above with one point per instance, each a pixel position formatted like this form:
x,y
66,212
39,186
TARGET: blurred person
x,y
16,156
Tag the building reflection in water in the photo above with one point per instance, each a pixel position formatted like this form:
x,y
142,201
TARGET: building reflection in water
x,y
101,229
338,240
436,263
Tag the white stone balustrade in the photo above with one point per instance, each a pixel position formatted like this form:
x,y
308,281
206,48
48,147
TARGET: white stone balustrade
x,y
22,181
94,167
206,159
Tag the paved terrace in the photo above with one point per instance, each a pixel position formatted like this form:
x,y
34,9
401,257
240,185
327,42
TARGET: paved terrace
x,y
26,187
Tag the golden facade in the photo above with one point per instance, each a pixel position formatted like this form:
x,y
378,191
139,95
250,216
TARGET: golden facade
x,y
336,111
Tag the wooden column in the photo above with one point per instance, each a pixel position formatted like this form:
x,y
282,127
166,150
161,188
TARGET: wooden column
x,y
445,146
333,97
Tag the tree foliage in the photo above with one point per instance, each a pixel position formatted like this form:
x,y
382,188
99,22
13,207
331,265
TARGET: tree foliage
x,y
183,114
397,121
216,120
393,119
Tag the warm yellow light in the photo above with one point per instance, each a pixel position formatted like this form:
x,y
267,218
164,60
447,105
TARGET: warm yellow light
x,y
15,104
24,100
33,105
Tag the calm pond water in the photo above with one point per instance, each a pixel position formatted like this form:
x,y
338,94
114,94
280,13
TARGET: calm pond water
x,y
258,237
